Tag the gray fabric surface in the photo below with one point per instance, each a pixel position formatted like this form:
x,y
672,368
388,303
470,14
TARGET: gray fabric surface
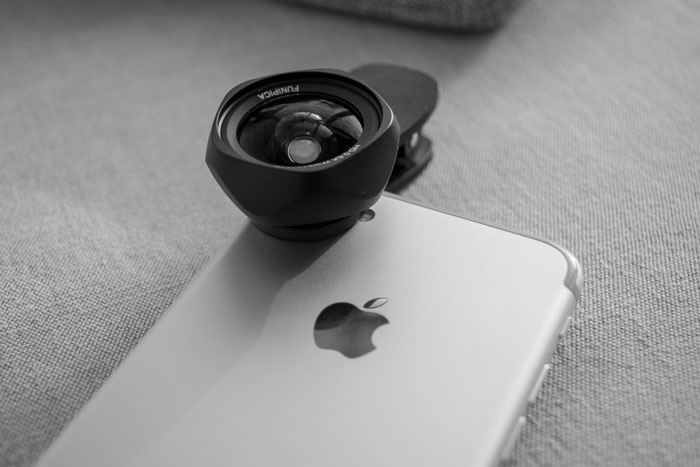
x,y
576,121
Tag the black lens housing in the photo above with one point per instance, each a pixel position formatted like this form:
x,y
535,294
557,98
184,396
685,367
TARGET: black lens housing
x,y
320,198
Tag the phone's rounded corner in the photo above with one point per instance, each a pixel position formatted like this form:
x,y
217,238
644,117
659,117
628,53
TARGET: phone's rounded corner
x,y
574,276
573,279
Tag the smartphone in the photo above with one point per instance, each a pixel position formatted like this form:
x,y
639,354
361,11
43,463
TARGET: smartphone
x,y
416,338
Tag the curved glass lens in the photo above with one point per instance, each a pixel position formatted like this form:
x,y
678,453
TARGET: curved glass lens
x,y
299,130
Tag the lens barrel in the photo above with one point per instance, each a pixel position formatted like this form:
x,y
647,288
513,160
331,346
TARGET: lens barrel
x,y
302,154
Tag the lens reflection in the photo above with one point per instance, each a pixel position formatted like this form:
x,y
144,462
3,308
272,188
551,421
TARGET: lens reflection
x,y
303,150
299,130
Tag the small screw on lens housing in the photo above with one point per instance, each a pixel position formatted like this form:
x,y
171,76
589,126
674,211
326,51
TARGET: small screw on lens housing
x,y
302,154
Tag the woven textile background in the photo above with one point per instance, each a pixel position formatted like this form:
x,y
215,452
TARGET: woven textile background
x,y
575,121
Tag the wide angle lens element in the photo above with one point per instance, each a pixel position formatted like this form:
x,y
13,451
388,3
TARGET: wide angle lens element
x,y
298,130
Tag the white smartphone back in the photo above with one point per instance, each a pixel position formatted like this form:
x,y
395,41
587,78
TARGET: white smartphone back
x,y
464,317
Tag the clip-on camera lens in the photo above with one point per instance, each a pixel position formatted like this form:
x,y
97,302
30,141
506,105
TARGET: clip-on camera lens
x,y
303,154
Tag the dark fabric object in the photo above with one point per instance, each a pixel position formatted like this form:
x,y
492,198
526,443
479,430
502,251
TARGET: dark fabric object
x,y
458,15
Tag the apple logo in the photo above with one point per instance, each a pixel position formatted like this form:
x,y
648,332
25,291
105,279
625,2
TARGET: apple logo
x,y
346,328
